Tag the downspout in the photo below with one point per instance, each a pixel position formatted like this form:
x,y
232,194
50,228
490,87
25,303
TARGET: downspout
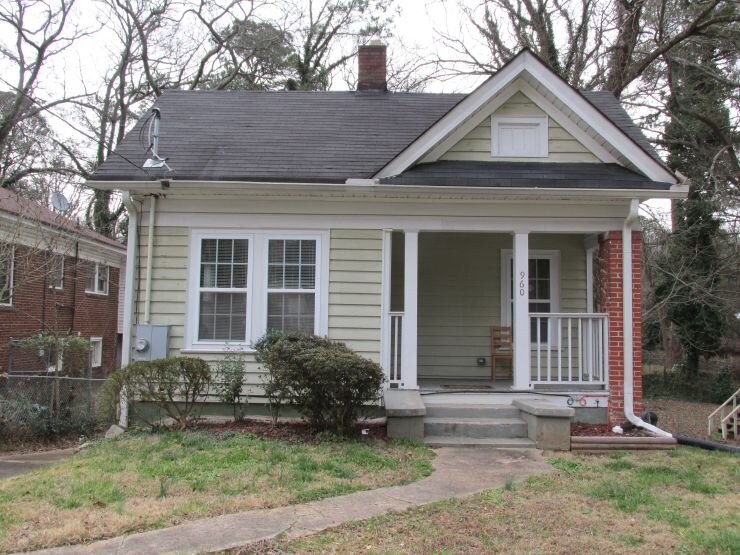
x,y
128,299
627,325
149,254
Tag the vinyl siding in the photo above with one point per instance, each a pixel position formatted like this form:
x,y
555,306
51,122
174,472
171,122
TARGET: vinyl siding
x,y
355,271
562,146
354,292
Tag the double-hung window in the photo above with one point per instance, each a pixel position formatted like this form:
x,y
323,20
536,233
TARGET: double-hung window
x,y
543,269
96,352
223,289
96,278
56,271
291,285
242,284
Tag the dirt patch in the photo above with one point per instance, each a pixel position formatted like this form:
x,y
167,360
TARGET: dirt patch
x,y
20,447
602,430
290,431
685,418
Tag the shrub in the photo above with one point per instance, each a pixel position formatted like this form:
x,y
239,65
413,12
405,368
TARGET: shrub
x,y
231,373
272,382
174,385
327,382
72,352
722,387
707,388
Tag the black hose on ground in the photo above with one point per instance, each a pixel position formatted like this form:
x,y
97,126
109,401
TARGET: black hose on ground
x,y
652,418
704,444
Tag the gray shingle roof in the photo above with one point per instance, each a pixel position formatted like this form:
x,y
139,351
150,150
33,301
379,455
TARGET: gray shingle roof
x,y
280,136
546,175
308,137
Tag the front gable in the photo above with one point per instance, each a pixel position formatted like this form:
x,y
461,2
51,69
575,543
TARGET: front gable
x,y
477,144
527,88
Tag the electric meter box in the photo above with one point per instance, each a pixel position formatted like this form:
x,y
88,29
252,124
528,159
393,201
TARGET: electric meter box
x,y
150,342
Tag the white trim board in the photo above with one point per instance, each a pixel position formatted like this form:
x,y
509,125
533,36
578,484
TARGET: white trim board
x,y
526,63
333,191
319,223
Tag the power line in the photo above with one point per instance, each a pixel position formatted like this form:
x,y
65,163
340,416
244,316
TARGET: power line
x,y
84,133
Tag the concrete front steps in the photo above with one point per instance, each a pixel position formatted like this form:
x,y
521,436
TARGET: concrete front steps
x,y
472,425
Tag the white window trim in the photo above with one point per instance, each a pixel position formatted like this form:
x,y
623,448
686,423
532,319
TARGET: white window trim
x,y
256,285
193,299
11,278
542,128
60,287
93,362
96,291
506,257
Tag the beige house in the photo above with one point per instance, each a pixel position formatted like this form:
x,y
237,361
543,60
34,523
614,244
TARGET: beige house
x,y
411,226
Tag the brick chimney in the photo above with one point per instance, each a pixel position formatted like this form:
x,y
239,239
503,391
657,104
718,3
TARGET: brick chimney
x,y
371,61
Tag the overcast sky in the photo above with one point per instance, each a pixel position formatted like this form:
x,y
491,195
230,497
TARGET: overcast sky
x,y
82,67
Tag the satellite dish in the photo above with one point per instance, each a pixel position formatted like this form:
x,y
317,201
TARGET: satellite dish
x,y
59,202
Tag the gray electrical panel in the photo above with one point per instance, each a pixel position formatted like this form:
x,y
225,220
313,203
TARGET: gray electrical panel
x,y
150,342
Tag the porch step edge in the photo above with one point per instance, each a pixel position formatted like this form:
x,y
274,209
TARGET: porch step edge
x,y
460,410
475,428
513,420
500,443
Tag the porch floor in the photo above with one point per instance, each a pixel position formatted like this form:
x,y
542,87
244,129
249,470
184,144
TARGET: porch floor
x,y
463,384
453,385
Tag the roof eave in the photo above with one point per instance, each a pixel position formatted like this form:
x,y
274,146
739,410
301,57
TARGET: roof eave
x,y
373,186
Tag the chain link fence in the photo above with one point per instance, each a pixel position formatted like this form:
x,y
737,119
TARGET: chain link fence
x,y
35,407
37,399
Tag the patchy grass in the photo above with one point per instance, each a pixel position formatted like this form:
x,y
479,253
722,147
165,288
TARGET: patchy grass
x,y
682,502
143,482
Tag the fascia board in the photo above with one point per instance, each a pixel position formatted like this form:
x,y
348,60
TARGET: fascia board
x,y
456,116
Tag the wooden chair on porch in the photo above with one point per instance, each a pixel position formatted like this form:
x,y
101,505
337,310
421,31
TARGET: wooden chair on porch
x,y
502,348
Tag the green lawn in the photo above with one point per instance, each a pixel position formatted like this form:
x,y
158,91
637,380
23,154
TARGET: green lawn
x,y
687,501
147,481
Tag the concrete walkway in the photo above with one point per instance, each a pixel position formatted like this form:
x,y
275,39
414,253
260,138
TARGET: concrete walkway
x,y
12,465
458,472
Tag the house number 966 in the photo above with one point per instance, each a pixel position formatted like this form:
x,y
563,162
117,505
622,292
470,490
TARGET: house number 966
x,y
522,285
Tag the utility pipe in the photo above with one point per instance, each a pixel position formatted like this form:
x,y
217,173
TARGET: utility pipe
x,y
627,324
149,253
129,295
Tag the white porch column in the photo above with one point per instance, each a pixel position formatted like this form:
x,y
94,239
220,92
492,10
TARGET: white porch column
x,y
520,316
410,310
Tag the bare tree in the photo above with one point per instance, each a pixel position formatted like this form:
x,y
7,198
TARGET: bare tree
x,y
592,44
35,32
327,34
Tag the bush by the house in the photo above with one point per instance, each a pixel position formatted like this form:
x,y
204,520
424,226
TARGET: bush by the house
x,y
175,386
328,383
231,370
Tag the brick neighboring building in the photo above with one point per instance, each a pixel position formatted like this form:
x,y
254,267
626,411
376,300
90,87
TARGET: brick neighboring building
x,y
59,278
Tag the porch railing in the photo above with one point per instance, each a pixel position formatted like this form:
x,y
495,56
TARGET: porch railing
x,y
396,332
569,348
